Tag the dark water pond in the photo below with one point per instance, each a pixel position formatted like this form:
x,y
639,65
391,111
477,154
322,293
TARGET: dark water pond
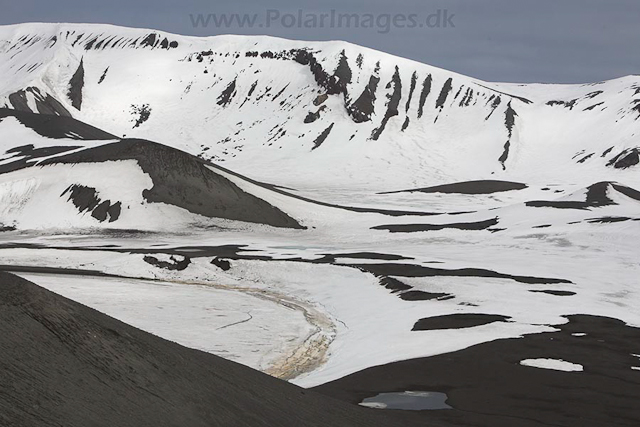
x,y
408,400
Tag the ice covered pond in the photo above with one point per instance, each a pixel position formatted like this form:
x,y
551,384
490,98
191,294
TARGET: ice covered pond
x,y
408,400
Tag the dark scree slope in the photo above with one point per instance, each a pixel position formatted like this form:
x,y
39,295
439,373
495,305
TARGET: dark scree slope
x,y
62,363
183,180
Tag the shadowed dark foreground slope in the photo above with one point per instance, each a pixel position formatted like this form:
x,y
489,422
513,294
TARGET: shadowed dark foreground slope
x,y
64,364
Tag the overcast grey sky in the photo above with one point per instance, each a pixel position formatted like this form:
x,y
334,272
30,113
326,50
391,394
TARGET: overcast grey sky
x,y
560,41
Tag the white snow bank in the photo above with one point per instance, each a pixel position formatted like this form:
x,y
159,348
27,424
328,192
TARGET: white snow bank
x,y
554,364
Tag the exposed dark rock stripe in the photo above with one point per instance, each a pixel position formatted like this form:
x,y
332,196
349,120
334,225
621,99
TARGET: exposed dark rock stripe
x,y
362,109
468,97
369,255
457,321
444,93
56,126
103,76
412,88
322,137
27,154
468,187
607,151
44,104
343,72
509,121
227,94
392,105
405,125
627,191
626,159
609,220
148,41
585,158
412,270
75,87
424,296
426,89
593,106
494,105
505,154
414,228
394,285
555,293
277,95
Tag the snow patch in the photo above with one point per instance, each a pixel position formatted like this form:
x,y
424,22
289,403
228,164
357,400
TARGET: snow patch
x,y
553,364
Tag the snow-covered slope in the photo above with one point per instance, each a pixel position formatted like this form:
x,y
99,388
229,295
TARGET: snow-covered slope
x,y
346,115
81,183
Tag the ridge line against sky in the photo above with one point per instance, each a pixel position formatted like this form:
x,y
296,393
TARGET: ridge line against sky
x,y
547,41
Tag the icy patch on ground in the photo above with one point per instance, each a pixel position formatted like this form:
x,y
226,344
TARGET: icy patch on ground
x,y
554,364
251,330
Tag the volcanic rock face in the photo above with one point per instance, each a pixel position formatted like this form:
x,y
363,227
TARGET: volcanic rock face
x,y
625,159
86,200
75,87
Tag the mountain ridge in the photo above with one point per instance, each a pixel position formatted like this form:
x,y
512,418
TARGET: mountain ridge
x,y
328,107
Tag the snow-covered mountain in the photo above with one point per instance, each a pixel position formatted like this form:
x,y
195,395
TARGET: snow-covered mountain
x,y
317,210
346,115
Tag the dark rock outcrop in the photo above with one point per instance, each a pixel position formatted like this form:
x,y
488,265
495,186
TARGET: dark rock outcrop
x,y
322,137
626,159
392,105
75,87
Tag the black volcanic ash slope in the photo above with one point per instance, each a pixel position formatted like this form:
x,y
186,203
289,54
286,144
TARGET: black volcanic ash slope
x,y
62,363
52,126
183,180
48,126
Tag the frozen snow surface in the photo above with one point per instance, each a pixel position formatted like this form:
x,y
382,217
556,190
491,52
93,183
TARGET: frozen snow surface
x,y
312,209
554,364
